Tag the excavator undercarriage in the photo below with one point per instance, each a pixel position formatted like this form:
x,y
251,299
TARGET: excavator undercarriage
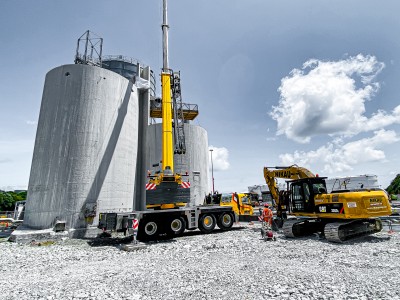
x,y
331,229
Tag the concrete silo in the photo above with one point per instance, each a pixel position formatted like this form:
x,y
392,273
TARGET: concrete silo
x,y
85,159
194,161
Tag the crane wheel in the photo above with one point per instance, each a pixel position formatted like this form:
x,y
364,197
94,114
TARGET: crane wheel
x,y
150,230
177,226
225,221
207,223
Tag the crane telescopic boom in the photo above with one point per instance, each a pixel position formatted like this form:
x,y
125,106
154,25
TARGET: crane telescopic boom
x,y
167,137
166,188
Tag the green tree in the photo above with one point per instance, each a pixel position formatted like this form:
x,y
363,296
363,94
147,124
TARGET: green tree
x,y
23,194
6,201
16,196
394,187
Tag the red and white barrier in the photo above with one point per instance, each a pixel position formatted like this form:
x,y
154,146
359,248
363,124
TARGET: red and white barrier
x,y
150,186
185,185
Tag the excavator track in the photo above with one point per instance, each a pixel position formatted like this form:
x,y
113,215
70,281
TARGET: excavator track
x,y
300,227
340,232
288,228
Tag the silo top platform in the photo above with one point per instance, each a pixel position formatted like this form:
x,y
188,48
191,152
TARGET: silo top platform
x,y
190,111
127,67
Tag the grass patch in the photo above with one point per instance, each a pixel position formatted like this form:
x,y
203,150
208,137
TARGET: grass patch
x,y
42,243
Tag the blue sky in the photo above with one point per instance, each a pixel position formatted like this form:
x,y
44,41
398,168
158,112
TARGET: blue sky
x,y
311,82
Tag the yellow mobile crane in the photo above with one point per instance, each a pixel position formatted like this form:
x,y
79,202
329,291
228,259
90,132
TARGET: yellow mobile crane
x,y
339,216
169,192
168,210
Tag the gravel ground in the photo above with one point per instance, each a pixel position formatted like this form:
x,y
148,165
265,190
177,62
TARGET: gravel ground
x,y
225,265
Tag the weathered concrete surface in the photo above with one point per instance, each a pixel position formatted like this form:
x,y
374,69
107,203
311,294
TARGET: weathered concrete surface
x,y
141,163
26,235
195,161
85,153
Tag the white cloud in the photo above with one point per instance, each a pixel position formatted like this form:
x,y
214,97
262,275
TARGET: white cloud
x,y
29,122
329,98
220,158
339,157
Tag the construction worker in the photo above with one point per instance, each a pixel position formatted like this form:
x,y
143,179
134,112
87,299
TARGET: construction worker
x,y
267,214
266,229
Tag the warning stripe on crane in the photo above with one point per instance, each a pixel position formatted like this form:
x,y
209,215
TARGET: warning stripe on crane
x,y
185,185
150,186
135,224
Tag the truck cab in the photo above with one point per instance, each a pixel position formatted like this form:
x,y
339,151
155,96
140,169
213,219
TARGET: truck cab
x,y
240,203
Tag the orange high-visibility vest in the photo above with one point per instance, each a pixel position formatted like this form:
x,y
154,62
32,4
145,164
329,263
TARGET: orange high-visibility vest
x,y
267,215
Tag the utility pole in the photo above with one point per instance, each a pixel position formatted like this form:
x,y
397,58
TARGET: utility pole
x,y
212,171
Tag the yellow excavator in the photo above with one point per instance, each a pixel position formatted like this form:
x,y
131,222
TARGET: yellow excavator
x,y
339,216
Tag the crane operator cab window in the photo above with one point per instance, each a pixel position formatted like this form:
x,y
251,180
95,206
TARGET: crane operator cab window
x,y
226,198
246,200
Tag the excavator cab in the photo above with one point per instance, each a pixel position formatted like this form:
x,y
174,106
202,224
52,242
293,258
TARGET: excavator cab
x,y
302,194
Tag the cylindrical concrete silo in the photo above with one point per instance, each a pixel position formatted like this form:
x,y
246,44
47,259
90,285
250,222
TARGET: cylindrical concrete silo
x,y
195,161
85,153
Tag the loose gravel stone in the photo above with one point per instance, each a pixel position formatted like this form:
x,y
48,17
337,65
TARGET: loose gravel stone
x,y
225,265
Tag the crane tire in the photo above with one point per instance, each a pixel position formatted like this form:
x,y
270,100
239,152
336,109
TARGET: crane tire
x,y
177,226
225,221
148,230
207,223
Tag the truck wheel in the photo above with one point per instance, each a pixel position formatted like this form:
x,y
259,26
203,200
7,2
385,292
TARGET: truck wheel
x,y
177,226
207,223
225,221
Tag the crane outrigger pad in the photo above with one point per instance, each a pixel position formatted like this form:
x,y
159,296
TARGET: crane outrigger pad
x,y
168,192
